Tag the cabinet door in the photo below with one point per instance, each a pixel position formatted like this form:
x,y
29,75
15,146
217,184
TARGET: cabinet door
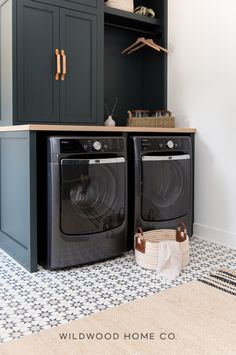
x,y
85,2
37,39
78,91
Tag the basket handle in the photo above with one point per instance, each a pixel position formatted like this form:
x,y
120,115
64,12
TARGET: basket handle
x,y
181,232
139,231
139,241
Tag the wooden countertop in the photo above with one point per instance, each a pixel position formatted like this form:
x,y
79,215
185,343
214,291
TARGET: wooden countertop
x,y
77,128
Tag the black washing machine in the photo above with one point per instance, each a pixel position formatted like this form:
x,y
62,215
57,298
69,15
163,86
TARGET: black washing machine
x,y
87,200
163,182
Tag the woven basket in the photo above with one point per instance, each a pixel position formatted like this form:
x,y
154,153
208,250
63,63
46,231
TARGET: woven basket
x,y
168,122
125,5
146,245
151,121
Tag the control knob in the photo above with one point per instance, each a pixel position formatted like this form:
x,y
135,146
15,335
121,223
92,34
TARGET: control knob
x,y
170,144
97,145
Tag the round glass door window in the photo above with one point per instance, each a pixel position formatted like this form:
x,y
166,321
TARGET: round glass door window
x,y
165,189
92,195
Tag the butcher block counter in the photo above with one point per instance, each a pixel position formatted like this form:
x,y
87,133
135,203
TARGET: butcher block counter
x,y
70,128
23,169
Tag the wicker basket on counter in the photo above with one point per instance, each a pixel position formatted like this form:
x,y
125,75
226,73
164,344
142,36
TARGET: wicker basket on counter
x,y
146,245
151,121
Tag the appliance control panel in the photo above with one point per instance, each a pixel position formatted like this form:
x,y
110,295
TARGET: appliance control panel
x,y
92,145
163,144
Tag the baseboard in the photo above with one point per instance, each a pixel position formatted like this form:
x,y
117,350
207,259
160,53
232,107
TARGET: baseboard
x,y
215,235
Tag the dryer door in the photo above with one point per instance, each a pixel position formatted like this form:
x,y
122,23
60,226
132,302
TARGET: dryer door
x,y
92,195
166,184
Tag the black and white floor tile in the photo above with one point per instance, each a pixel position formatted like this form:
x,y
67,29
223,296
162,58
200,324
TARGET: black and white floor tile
x,y
32,302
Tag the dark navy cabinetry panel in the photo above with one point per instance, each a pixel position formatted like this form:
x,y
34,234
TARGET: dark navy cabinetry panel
x,y
138,79
33,31
37,39
78,90
18,189
72,4
85,2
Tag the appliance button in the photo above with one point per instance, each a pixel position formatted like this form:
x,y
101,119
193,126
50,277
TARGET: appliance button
x,y
161,145
170,144
97,145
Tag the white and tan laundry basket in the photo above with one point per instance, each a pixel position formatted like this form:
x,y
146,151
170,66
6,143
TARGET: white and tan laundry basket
x,y
146,245
125,5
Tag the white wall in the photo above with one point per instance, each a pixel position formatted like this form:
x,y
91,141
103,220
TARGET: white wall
x,y
202,94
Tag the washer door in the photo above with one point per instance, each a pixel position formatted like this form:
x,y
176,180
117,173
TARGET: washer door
x,y
92,195
166,182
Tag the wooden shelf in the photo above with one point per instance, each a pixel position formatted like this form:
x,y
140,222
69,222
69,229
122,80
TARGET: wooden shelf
x,y
130,21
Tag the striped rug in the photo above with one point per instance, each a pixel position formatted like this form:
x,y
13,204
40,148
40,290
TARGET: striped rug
x,y
224,280
197,318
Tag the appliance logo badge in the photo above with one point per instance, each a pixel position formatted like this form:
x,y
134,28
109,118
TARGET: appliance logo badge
x,y
170,158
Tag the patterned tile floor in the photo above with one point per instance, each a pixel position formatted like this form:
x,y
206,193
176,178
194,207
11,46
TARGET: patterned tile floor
x,y
32,302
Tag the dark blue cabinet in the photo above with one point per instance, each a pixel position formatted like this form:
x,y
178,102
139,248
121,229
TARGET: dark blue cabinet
x,y
79,87
37,39
47,38
85,2
18,196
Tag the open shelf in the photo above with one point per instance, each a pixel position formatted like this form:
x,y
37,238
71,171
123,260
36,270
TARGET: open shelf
x,y
130,21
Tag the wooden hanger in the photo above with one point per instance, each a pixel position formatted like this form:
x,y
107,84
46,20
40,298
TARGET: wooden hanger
x,y
157,45
146,43
141,42
136,48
